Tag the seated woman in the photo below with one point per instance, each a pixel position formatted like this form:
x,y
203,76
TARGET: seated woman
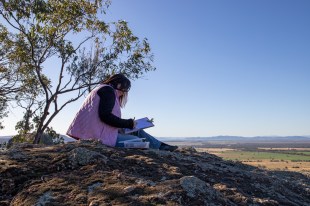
x,y
100,116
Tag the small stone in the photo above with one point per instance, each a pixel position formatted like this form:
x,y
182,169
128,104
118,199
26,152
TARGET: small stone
x,y
46,198
145,182
94,203
141,182
150,183
119,175
163,178
92,187
129,189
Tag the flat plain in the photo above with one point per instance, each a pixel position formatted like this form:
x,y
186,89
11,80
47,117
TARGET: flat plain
x,y
287,156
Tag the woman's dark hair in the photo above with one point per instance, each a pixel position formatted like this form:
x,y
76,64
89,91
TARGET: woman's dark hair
x,y
119,82
122,83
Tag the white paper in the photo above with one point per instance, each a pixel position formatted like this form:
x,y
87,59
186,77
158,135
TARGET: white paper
x,y
141,124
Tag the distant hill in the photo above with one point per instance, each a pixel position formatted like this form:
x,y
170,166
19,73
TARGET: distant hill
x,y
288,138
242,139
7,138
213,139
4,139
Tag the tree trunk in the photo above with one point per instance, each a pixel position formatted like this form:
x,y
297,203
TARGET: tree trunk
x,y
37,137
41,126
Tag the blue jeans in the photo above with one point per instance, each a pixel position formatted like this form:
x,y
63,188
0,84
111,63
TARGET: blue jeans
x,y
154,143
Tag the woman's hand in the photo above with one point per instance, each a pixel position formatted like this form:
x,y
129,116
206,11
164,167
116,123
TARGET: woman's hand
x,y
133,123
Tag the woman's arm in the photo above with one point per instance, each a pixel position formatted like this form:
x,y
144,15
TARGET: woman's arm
x,y
106,104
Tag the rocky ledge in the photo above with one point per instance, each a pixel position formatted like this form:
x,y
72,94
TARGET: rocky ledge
x,y
89,173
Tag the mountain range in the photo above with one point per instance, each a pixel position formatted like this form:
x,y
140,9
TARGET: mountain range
x,y
241,139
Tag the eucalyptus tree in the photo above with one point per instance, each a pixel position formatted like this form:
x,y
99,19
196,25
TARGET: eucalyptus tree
x,y
9,81
71,41
3,98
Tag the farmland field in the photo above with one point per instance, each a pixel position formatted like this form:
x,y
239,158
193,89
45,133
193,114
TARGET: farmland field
x,y
260,155
279,160
273,156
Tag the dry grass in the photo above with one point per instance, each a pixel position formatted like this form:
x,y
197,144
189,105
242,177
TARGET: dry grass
x,y
214,150
286,165
284,149
272,164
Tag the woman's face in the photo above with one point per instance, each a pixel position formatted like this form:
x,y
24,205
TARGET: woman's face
x,y
120,91
122,95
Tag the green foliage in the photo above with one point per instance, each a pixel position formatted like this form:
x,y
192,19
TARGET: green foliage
x,y
73,34
25,126
56,138
7,82
26,132
49,137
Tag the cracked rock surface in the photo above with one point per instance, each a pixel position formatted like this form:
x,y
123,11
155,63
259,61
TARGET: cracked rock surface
x,y
89,173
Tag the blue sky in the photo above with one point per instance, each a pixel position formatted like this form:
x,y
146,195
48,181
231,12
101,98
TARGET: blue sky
x,y
223,67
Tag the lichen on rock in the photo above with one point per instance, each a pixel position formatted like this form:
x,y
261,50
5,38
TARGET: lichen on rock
x,y
81,156
89,173
195,187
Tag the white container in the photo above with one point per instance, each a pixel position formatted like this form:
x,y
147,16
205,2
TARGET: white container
x,y
129,144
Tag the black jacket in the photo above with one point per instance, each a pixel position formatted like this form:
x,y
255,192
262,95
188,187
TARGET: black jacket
x,y
107,101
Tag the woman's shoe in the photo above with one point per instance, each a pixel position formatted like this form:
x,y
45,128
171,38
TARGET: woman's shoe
x,y
167,147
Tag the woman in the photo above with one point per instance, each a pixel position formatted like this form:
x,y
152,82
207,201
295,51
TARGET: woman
x,y
100,116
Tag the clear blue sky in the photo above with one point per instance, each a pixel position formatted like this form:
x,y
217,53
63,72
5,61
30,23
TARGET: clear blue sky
x,y
223,67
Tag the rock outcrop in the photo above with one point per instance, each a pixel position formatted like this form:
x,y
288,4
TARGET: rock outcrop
x,y
89,173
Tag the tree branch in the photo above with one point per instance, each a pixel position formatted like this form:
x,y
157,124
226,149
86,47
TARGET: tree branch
x,y
88,38
37,70
80,87
58,110
65,86
9,22
60,75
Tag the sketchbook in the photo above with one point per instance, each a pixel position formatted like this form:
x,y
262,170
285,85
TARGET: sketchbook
x,y
142,123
